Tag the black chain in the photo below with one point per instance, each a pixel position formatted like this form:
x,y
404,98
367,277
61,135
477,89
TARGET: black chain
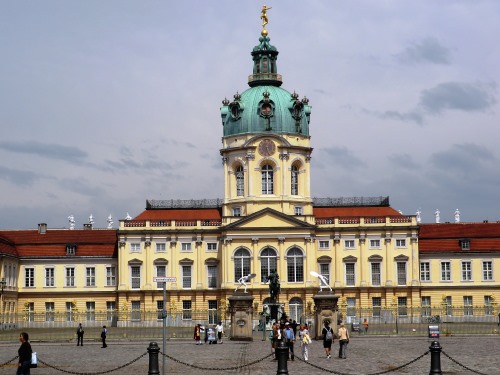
x,y
92,373
217,368
458,363
9,361
375,373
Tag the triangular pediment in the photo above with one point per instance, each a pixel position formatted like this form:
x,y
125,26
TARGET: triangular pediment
x,y
268,218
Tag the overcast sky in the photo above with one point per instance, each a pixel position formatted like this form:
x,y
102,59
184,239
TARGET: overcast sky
x,y
104,104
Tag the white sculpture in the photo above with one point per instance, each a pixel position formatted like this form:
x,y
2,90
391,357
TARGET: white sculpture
x,y
242,281
110,222
71,220
437,216
419,218
128,217
91,219
457,216
322,281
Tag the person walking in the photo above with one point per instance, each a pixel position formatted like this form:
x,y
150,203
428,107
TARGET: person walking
x,y
343,341
24,352
104,334
289,339
305,340
79,335
220,331
327,338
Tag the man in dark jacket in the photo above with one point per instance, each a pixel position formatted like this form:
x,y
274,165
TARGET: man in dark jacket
x,y
23,367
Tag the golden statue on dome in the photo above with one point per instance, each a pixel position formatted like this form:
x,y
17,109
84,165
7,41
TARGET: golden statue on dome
x,y
264,19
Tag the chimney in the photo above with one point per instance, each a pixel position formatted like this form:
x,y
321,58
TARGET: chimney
x,y
42,228
87,226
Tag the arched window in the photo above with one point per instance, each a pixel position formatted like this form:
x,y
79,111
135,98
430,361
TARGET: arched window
x,y
240,182
268,261
296,309
295,180
241,263
295,266
267,179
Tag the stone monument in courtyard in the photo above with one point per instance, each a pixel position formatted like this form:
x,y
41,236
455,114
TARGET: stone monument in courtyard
x,y
325,306
241,311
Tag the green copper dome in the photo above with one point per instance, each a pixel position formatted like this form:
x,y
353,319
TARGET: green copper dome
x,y
265,106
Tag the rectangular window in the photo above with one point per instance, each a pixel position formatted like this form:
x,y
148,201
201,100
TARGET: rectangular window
x,y
70,276
425,271
212,276
401,269
324,270
111,276
426,305
402,306
465,244
445,271
376,275
349,244
49,311
135,277
400,242
90,313
211,246
375,244
213,313
136,311
161,271
110,310
447,302
488,271
350,276
186,246
30,311
466,271
161,247
299,210
376,306
49,276
69,312
186,277
159,309
29,277
351,306
135,247
468,306
70,249
186,310
488,305
90,276
236,211
324,244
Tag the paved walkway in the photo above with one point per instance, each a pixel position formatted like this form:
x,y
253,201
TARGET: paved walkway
x,y
366,355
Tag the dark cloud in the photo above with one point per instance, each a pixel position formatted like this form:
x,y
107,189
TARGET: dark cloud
x,y
414,116
17,177
342,157
52,151
403,161
429,50
462,96
81,186
466,158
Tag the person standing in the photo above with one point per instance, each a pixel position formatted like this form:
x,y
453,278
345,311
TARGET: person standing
x,y
104,333
79,335
365,325
343,341
220,331
305,340
289,339
24,352
197,334
327,339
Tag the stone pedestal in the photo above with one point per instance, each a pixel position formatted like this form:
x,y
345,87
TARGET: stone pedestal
x,y
241,311
325,307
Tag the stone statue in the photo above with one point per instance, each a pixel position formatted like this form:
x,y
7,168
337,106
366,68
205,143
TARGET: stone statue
x,y
436,214
71,220
242,281
110,222
419,218
274,285
263,16
128,217
91,219
323,282
457,216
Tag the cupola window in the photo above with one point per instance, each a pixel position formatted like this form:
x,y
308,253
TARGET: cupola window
x,y
267,179
295,180
240,182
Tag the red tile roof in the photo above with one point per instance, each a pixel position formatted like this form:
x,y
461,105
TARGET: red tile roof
x,y
30,243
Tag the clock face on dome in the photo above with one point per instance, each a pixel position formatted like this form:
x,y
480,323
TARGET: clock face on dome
x,y
267,147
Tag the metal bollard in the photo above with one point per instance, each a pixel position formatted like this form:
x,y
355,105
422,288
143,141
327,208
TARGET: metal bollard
x,y
153,351
435,349
282,355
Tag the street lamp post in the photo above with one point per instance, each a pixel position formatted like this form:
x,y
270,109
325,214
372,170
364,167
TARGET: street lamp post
x,y
2,286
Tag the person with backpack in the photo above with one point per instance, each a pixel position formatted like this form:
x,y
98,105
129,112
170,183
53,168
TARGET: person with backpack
x,y
289,338
327,338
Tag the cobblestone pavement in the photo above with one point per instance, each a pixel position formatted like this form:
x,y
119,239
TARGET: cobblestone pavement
x,y
366,355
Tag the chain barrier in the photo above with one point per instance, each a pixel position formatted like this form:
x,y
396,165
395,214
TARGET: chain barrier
x,y
92,373
461,365
217,368
9,361
374,373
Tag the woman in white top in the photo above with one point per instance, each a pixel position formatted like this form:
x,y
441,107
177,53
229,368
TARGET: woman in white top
x,y
305,340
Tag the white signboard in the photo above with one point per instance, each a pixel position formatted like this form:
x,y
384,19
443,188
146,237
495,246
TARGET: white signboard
x,y
164,279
